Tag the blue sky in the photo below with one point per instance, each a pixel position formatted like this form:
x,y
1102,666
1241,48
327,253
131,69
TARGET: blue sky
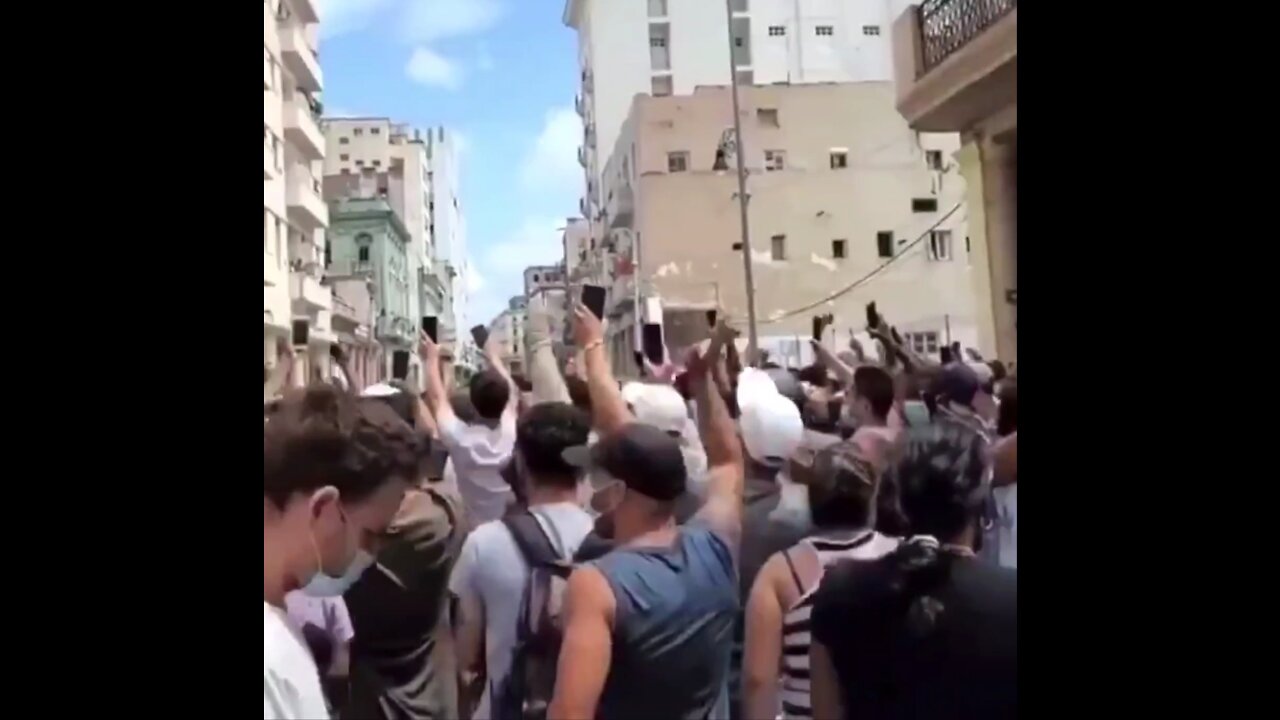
x,y
500,73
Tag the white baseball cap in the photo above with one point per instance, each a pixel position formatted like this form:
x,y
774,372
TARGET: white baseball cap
x,y
657,405
771,426
379,390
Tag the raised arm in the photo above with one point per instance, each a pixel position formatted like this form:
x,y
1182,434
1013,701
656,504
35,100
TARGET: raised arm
x,y
437,393
725,466
340,357
833,364
281,374
494,358
548,384
608,409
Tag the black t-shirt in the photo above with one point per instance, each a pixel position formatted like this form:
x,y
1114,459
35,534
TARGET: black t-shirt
x,y
964,666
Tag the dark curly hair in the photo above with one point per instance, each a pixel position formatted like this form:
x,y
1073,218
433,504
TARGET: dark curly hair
x,y
320,435
542,435
941,479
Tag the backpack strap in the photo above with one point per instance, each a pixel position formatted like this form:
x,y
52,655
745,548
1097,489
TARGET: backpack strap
x,y
531,539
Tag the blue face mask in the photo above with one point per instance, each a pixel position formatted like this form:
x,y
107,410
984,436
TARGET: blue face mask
x,y
325,585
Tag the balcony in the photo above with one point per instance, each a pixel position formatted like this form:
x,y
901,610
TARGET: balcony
x,y
300,57
304,10
305,207
621,208
395,329
307,292
301,128
956,62
582,156
579,106
270,166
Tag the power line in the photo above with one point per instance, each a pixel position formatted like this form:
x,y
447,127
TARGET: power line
x,y
875,271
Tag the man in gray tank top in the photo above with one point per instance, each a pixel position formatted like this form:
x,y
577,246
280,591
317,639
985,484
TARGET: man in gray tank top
x,y
649,627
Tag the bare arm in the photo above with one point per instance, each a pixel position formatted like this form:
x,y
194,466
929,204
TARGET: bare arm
x,y
340,357
548,385
494,358
587,649
281,375
762,655
824,685
1005,461
608,409
437,394
835,365
725,466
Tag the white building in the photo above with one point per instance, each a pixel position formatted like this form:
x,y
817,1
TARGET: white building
x,y
665,47
293,212
449,227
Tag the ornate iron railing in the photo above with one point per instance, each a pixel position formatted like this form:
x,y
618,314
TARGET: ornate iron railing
x,y
948,25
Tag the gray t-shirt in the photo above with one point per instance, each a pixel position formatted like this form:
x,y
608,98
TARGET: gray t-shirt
x,y
491,571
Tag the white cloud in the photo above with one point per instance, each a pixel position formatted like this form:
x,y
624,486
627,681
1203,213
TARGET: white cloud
x,y
430,68
461,143
551,165
425,21
338,17
475,281
537,241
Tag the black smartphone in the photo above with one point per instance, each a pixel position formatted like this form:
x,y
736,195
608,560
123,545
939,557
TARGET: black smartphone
x,y
945,355
301,329
639,356
480,334
431,326
651,341
873,317
819,324
711,318
400,364
593,298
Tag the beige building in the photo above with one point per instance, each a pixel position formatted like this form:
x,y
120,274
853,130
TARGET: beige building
x,y
508,330
294,215
956,65
846,205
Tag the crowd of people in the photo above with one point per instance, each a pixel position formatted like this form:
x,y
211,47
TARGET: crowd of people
x,y
723,539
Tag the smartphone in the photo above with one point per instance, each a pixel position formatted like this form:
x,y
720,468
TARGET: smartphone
x,y
301,328
593,298
873,317
945,355
480,334
639,356
711,318
431,326
400,364
651,341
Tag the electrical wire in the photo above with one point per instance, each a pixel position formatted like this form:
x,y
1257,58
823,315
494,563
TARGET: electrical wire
x,y
872,273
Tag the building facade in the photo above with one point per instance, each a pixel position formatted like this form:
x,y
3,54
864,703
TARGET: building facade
x,y
671,47
370,242
508,331
956,64
846,205
294,215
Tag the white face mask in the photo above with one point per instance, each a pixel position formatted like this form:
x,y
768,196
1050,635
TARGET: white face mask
x,y
324,585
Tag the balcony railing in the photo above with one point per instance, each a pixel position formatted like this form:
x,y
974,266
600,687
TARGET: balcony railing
x,y
947,25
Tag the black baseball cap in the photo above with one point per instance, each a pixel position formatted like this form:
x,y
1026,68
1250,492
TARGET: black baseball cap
x,y
646,460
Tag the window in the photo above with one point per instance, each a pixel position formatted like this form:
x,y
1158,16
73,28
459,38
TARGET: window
x,y
924,205
837,249
677,161
739,6
778,246
738,42
344,141
657,8
775,160
933,158
824,30
661,85
346,171
967,249
767,117
884,244
357,131
363,254
839,159
657,42
870,29
940,245
266,231
377,163
777,30
746,77
344,157
359,163
375,131
923,342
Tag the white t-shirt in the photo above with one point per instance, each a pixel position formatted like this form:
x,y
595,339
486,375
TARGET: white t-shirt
x,y
290,682
491,570
477,453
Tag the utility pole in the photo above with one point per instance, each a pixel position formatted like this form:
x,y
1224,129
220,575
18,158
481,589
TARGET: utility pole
x,y
752,339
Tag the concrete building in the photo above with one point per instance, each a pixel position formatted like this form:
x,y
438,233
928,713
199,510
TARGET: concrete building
x,y
670,47
842,194
956,65
540,277
369,241
354,320
294,216
508,330
449,231
579,249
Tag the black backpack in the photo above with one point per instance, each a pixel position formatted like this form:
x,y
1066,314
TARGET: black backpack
x,y
525,693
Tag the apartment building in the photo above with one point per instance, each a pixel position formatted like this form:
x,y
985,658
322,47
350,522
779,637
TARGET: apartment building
x,y
354,319
671,47
956,63
369,243
579,247
294,216
508,331
843,194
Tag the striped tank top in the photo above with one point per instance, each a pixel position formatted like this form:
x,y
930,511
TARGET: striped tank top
x,y
865,545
